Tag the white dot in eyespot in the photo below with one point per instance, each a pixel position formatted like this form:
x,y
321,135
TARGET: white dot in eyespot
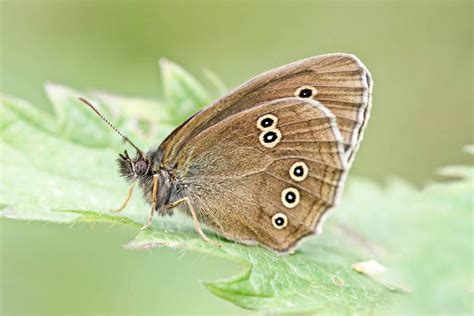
x,y
267,121
279,221
299,171
270,138
290,197
306,92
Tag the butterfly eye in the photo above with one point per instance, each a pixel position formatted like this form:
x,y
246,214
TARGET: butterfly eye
x,y
299,171
267,121
141,167
279,221
306,92
290,197
270,138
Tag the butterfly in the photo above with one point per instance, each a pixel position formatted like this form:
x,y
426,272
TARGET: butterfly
x,y
265,163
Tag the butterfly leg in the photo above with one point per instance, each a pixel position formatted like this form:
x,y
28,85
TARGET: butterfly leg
x,y
153,203
127,199
197,226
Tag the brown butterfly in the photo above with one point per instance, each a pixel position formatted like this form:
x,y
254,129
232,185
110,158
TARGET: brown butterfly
x,y
264,164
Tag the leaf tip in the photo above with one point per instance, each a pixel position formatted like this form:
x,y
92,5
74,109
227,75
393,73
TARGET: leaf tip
x,y
370,267
164,62
469,149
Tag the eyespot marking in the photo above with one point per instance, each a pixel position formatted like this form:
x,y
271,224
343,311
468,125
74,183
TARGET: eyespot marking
x,y
306,92
299,171
290,197
267,121
270,138
279,221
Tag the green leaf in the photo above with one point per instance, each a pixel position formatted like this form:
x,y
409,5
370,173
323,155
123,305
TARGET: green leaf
x,y
78,123
150,120
438,264
183,94
61,169
14,109
218,85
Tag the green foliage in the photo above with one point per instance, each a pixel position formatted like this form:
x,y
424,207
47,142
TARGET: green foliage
x,y
61,169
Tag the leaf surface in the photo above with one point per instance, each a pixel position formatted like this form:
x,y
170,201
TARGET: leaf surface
x,y
62,169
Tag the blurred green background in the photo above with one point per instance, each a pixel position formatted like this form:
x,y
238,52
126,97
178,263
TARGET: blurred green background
x,y
420,55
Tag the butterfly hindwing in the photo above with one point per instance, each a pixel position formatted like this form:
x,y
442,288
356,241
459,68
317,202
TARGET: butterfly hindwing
x,y
266,174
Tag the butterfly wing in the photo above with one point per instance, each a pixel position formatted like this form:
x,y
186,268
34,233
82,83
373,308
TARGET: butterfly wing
x,y
267,174
338,81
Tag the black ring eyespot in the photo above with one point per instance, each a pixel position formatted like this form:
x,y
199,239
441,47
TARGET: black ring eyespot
x,y
290,197
305,93
267,122
279,221
299,171
270,137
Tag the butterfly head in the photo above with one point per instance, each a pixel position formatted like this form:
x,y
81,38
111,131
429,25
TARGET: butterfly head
x,y
144,167
134,168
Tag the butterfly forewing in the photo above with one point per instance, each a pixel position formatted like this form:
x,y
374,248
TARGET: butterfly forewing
x,y
266,174
339,81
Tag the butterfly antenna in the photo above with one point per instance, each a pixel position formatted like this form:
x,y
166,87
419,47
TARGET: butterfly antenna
x,y
125,138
